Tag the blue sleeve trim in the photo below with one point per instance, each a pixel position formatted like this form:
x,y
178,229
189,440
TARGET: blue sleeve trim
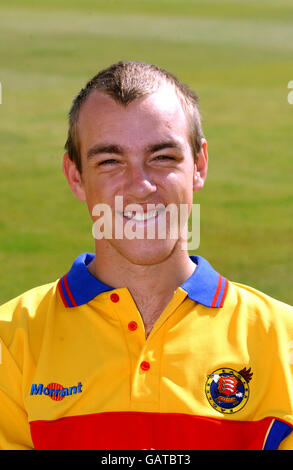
x,y
278,432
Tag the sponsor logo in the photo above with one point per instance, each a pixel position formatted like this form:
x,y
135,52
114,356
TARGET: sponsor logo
x,y
227,390
56,391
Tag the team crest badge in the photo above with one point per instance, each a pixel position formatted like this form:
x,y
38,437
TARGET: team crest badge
x,y
227,390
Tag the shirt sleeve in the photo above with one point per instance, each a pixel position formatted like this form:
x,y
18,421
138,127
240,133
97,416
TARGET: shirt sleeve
x,y
14,426
287,443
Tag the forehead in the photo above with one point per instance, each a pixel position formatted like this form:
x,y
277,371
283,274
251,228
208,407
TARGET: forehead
x,y
157,115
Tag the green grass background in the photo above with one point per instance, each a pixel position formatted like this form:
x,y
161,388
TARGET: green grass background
x,y
237,55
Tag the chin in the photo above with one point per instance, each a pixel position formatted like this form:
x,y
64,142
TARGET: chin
x,y
146,252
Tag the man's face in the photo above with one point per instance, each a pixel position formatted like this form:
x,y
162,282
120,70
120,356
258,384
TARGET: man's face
x,y
141,153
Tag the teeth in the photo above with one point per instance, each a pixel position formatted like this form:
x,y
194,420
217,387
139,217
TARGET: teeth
x,y
140,216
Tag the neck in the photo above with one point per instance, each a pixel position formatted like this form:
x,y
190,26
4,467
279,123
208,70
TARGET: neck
x,y
156,281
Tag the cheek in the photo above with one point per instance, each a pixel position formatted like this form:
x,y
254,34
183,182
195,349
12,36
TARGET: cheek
x,y
180,185
100,190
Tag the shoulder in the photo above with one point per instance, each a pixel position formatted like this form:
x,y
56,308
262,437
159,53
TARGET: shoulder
x,y
20,312
30,299
258,305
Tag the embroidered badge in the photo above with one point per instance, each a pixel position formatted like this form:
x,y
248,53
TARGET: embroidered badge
x,y
227,390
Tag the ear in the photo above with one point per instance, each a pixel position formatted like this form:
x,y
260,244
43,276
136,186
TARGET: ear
x,y
73,177
200,167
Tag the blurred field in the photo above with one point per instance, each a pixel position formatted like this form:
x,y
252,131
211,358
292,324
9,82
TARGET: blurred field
x,y
237,55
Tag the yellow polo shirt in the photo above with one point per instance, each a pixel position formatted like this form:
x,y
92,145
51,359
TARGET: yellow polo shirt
x,y
77,372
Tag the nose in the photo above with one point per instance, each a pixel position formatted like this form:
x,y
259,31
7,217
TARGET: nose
x,y
139,185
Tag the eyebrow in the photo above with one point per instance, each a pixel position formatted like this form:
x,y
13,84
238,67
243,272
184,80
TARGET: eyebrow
x,y
163,145
104,148
118,150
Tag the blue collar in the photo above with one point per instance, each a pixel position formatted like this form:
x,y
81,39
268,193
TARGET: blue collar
x,y
204,286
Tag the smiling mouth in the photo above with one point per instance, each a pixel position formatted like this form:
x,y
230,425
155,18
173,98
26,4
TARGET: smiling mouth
x,y
141,216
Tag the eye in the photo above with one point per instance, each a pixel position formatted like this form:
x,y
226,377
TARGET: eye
x,y
164,157
109,161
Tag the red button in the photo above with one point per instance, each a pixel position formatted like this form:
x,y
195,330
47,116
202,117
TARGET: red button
x,y
132,326
114,297
145,365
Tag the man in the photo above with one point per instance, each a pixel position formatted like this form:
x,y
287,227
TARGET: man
x,y
140,346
